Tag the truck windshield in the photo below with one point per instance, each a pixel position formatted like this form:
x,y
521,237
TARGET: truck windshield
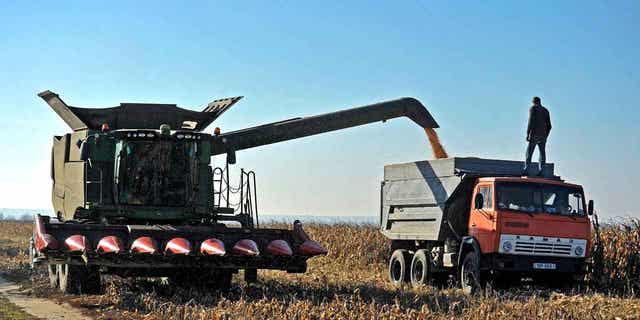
x,y
547,198
156,172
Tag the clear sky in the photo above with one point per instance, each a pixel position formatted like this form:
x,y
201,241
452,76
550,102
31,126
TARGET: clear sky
x,y
476,66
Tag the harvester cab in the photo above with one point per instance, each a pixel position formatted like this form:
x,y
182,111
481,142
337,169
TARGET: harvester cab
x,y
135,193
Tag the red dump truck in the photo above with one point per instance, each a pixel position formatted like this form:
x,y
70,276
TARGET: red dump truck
x,y
478,220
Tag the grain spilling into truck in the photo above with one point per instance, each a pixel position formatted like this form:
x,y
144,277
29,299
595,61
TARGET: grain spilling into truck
x,y
436,145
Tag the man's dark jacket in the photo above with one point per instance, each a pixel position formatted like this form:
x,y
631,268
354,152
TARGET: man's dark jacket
x,y
539,123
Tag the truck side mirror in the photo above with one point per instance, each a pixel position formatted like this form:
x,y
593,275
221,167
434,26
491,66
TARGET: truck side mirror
x,y
84,151
590,208
479,201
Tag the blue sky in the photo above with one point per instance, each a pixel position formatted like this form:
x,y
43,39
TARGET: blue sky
x,y
475,65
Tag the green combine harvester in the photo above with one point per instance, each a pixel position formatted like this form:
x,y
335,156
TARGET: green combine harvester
x,y
135,194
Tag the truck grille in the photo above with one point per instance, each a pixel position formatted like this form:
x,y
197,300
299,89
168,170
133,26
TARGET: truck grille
x,y
542,246
531,247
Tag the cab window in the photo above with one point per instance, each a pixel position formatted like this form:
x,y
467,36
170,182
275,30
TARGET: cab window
x,y
487,195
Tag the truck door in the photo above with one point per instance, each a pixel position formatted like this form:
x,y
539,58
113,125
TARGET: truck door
x,y
482,221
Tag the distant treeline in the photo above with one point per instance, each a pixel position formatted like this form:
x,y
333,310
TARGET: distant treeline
x,y
22,217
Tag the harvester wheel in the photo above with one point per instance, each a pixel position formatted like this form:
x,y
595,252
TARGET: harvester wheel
x,y
92,282
78,279
223,280
421,268
53,275
218,279
251,275
69,281
470,280
399,267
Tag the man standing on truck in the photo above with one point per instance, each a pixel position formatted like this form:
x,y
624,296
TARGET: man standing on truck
x,y
538,130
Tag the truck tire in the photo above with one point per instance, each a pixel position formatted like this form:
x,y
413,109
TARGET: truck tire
x,y
399,272
79,279
251,275
53,276
470,280
421,268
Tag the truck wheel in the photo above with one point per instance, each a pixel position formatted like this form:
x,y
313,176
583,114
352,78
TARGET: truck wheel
x,y
251,275
53,276
398,267
421,268
79,279
470,281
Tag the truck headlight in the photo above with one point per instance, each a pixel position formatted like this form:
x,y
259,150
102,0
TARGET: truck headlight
x,y
579,251
507,246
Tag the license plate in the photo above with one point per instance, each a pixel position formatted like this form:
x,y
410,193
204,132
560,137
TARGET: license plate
x,y
544,265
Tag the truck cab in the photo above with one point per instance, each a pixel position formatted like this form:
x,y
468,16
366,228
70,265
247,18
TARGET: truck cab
x,y
479,220
524,224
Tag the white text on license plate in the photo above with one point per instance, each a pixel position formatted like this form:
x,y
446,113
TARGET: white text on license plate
x,y
544,265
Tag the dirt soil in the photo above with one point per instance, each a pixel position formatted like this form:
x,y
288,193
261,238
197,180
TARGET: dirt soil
x,y
38,307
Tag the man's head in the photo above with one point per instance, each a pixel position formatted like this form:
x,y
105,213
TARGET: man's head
x,y
536,101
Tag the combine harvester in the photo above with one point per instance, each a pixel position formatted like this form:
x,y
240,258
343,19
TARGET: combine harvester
x,y
136,195
480,220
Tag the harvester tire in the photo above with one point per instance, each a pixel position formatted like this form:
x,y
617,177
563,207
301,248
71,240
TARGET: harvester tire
x,y
79,279
251,275
69,279
470,276
399,272
421,273
54,280
223,280
92,282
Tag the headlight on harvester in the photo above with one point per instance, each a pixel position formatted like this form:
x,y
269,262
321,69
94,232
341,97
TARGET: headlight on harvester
x,y
578,250
507,246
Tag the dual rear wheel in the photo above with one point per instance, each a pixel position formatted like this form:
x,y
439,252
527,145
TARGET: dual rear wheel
x,y
416,269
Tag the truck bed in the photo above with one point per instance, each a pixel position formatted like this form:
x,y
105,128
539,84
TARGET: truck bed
x,y
417,196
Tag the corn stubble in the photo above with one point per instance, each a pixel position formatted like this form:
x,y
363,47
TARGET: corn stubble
x,y
350,283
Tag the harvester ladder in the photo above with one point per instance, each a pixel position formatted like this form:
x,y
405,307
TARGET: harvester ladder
x,y
219,179
245,210
91,179
248,196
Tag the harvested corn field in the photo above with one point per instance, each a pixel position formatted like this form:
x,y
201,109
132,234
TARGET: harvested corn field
x,y
350,282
